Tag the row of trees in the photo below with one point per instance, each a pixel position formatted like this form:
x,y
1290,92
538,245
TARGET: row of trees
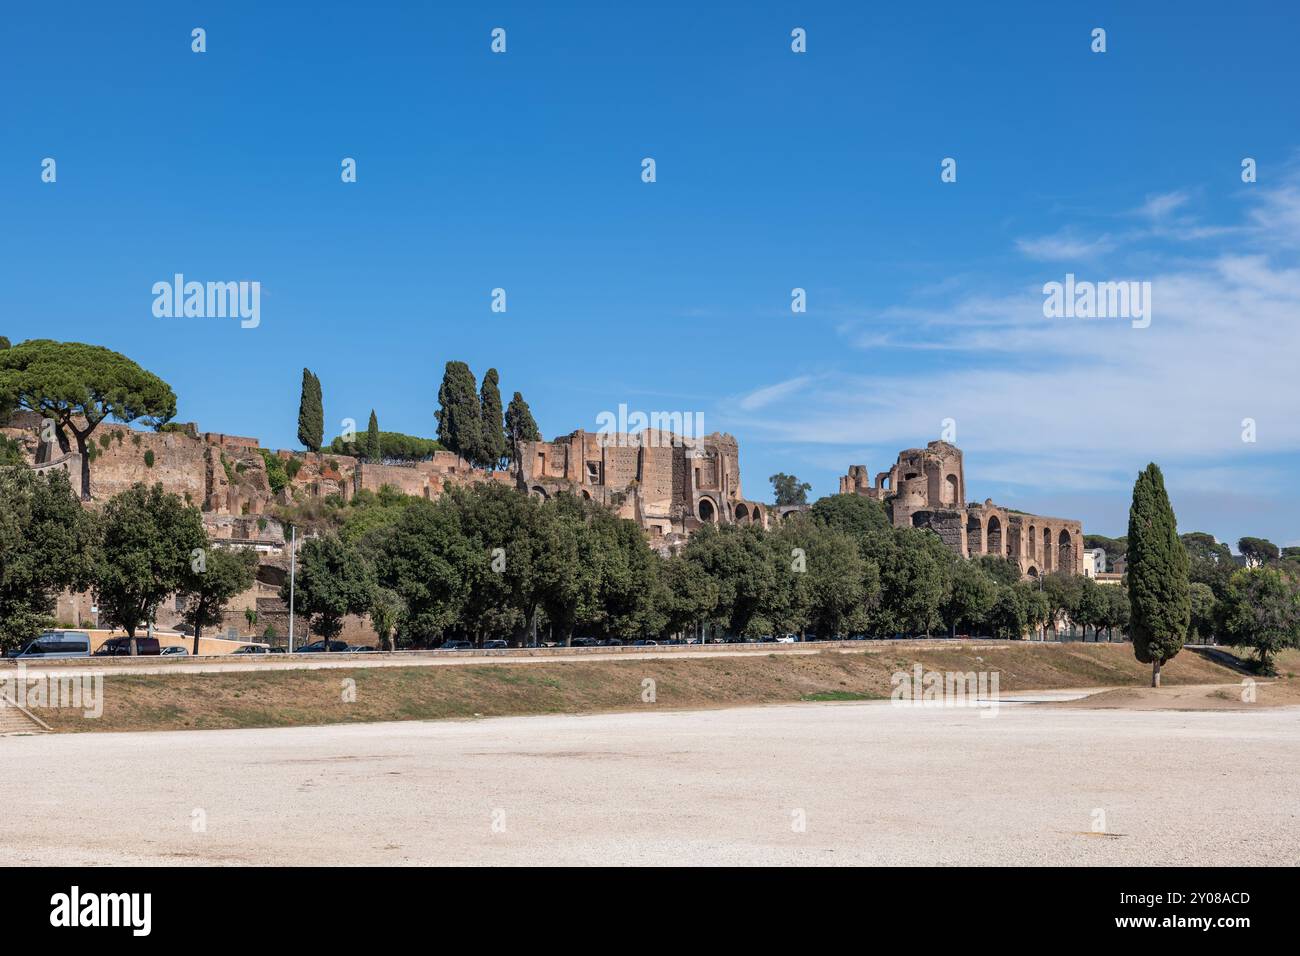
x,y
489,561
474,425
471,422
144,546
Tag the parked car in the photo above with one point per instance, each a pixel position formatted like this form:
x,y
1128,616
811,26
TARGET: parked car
x,y
456,646
317,647
645,643
584,642
494,645
788,639
174,651
121,647
360,649
611,642
251,649
56,644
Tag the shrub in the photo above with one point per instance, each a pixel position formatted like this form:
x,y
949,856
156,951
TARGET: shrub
x,y
148,459
276,476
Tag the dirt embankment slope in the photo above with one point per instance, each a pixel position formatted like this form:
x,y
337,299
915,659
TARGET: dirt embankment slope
x,y
303,697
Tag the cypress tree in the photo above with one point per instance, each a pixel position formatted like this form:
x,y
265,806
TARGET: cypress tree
x,y
374,448
1157,575
490,418
519,426
311,413
458,413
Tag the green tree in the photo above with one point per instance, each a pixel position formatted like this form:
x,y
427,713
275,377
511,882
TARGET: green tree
x,y
789,489
421,560
1061,591
971,594
386,609
1262,612
374,447
855,514
459,416
212,579
77,386
1258,550
1003,570
150,539
47,543
493,442
334,580
519,426
311,413
1205,610
1009,617
1117,609
1157,574
1090,607
915,571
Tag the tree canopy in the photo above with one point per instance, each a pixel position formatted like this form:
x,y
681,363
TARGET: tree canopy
x,y
1157,574
77,386
311,413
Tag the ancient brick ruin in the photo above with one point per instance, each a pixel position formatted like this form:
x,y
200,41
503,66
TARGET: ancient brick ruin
x,y
669,485
926,488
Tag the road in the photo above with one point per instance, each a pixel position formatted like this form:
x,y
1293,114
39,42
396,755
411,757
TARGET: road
x,y
861,783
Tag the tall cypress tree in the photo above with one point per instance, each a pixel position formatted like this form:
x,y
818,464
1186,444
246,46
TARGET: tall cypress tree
x,y
458,413
519,426
311,413
1157,575
374,447
490,418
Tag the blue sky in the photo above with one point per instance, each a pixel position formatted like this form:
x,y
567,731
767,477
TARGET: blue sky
x,y
775,170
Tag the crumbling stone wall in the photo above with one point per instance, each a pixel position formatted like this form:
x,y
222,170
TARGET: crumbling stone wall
x,y
926,487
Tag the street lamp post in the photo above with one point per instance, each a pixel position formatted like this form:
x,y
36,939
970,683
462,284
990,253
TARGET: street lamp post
x,y
293,559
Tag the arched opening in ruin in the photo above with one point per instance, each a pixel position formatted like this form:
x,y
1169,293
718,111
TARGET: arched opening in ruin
x,y
742,512
586,494
757,515
540,492
1047,549
1032,572
1065,552
707,510
974,536
948,493
1033,543
994,536
1013,540
910,475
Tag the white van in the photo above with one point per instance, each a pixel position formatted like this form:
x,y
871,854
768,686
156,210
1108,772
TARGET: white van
x,y
56,644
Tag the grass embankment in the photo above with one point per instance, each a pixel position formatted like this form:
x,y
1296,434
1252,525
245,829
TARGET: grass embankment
x,y
283,698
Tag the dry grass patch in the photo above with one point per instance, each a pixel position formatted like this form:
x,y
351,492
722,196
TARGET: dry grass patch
x,y
282,698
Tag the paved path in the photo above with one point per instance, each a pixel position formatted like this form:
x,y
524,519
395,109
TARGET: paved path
x,y
871,783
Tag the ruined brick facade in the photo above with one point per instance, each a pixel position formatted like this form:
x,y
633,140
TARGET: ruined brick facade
x,y
926,488
669,485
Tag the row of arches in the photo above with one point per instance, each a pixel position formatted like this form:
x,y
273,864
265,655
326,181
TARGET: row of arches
x,y
707,510
1044,549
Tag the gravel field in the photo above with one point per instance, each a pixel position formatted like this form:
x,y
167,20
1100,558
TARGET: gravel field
x,y
870,783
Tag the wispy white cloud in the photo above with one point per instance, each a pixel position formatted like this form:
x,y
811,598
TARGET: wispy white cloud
x,y
1065,246
1083,404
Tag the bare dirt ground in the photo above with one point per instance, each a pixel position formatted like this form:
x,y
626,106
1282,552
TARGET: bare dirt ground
x,y
864,783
